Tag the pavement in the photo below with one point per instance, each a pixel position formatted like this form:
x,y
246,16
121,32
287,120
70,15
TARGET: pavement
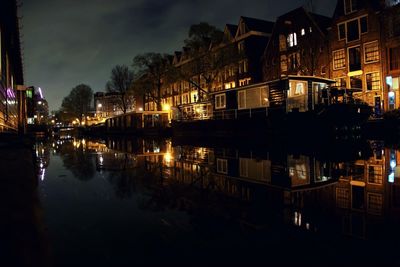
x,y
23,240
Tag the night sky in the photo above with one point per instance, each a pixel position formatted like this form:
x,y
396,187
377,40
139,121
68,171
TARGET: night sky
x,y
68,42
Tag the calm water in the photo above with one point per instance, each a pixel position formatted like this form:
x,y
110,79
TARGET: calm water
x,y
113,202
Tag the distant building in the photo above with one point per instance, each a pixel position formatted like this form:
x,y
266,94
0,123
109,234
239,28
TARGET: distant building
x,y
109,104
11,69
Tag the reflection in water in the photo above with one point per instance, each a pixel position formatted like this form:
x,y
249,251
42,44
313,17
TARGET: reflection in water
x,y
355,193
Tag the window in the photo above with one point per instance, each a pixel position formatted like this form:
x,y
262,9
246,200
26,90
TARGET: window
x,y
220,101
353,31
364,24
241,99
303,32
244,82
284,66
373,81
292,39
244,167
354,59
339,59
241,46
297,88
375,203
294,60
375,175
371,52
342,197
341,82
394,58
356,81
350,6
230,85
222,166
282,43
245,66
342,31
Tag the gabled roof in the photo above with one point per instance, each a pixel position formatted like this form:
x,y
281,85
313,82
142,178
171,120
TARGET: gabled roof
x,y
177,57
258,25
231,29
323,22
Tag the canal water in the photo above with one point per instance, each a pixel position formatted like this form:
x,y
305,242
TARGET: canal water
x,y
133,201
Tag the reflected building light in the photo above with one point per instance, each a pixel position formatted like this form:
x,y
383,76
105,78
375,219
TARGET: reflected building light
x,y
393,164
42,174
168,158
391,178
297,218
101,159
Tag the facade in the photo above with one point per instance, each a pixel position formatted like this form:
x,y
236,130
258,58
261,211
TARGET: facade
x,y
11,70
391,53
355,50
109,104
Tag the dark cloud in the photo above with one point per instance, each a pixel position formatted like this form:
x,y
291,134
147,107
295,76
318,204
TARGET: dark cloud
x,y
68,42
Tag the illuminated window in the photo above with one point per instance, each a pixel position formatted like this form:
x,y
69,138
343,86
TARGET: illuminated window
x,y
373,80
222,166
220,101
341,82
284,66
339,59
371,52
292,39
303,32
375,175
244,82
282,43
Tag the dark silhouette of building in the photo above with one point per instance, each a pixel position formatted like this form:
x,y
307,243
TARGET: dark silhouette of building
x,y
11,69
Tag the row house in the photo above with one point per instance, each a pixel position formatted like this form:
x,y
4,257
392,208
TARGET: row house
x,y
391,52
296,61
211,86
355,41
11,69
109,104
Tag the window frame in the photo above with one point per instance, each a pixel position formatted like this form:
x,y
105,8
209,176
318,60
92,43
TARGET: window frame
x,y
366,81
348,58
220,96
365,52
344,58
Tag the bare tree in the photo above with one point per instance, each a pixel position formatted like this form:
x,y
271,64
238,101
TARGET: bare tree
x,y
121,82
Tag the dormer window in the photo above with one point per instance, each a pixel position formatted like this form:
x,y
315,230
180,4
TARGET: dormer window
x,y
350,6
292,39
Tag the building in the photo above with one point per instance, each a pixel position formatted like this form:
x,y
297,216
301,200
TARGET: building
x,y
109,104
209,75
355,50
391,53
11,69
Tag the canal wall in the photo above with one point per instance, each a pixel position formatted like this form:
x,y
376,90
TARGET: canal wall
x,y
23,235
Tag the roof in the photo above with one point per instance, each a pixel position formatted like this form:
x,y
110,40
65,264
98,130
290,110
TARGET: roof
x,y
231,28
258,25
323,22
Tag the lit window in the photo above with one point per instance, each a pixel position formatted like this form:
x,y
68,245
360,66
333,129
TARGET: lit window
x,y
282,43
373,81
283,63
292,39
244,82
371,52
339,59
303,32
341,82
220,101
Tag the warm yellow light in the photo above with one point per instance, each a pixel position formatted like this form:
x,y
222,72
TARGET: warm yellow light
x,y
168,157
166,107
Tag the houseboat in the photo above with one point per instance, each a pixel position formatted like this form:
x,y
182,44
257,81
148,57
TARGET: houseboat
x,y
293,104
